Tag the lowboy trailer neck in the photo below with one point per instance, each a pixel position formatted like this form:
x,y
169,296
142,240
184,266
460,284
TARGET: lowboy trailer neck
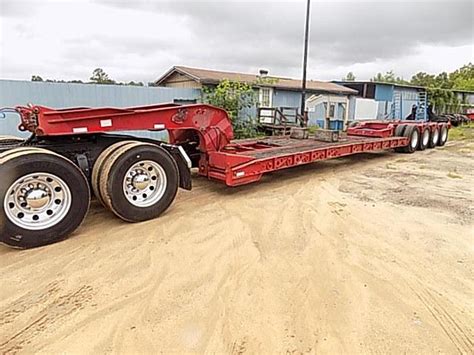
x,y
137,178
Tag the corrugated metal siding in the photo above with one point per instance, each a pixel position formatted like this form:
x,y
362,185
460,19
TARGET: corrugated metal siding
x,y
351,108
409,98
285,98
61,95
383,92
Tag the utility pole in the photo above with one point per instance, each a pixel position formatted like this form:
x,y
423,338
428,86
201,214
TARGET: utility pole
x,y
305,60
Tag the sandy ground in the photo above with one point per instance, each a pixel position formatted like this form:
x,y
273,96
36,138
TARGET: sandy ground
x,y
368,254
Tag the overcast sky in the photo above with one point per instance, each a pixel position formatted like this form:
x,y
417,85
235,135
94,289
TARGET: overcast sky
x,y
140,40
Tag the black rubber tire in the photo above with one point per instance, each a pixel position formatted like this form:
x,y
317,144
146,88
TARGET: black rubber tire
x,y
399,133
409,131
99,164
434,138
443,135
15,151
11,138
22,161
425,135
113,174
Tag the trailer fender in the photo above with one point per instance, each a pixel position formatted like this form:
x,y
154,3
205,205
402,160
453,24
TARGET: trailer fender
x,y
184,164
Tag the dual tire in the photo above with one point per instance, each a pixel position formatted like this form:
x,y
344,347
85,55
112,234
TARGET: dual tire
x,y
136,181
412,133
443,135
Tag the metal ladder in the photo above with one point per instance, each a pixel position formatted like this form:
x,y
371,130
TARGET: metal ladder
x,y
396,106
421,113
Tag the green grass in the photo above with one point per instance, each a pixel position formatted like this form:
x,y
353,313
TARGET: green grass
x,y
312,129
464,132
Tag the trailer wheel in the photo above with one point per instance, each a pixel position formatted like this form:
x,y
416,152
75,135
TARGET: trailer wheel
x,y
424,139
413,135
434,138
443,135
10,140
99,164
139,181
44,197
399,133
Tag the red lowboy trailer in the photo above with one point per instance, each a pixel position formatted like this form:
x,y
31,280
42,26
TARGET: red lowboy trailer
x,y
46,179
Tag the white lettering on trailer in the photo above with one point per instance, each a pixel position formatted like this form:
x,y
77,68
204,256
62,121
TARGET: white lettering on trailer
x,y
240,173
79,130
106,123
159,126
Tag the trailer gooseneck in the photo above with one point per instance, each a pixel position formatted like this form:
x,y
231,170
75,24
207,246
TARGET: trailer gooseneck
x,y
46,180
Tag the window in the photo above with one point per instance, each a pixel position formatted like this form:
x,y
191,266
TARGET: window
x,y
332,110
342,111
265,97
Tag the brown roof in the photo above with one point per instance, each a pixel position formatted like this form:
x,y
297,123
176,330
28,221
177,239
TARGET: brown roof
x,y
206,76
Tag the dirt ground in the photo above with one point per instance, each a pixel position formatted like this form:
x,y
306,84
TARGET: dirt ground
x,y
367,254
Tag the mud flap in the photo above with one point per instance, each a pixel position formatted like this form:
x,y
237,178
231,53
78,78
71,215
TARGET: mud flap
x,y
184,164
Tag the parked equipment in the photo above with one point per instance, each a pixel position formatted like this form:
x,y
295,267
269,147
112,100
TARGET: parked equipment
x,y
46,180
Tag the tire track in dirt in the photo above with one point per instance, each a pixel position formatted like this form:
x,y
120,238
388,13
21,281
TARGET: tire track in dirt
x,y
53,313
451,327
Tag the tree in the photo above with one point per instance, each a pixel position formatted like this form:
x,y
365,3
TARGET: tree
x,y
463,78
234,97
349,77
423,79
134,83
388,77
36,78
99,76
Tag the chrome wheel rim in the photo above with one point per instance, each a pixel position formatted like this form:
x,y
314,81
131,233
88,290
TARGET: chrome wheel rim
x,y
144,183
414,139
37,201
426,137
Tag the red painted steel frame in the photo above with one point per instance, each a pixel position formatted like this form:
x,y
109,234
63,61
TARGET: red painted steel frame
x,y
211,123
239,168
235,163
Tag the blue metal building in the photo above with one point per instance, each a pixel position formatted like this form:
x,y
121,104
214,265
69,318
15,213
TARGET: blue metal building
x,y
390,101
62,95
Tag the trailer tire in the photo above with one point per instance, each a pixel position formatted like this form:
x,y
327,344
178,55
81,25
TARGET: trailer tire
x,y
399,133
10,140
443,135
434,138
44,197
139,181
424,139
413,135
99,164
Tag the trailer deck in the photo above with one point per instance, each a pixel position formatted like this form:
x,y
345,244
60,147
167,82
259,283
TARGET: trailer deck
x,y
243,162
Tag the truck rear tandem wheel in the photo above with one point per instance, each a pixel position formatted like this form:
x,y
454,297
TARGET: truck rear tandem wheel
x,y
45,189
138,181
45,197
46,180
